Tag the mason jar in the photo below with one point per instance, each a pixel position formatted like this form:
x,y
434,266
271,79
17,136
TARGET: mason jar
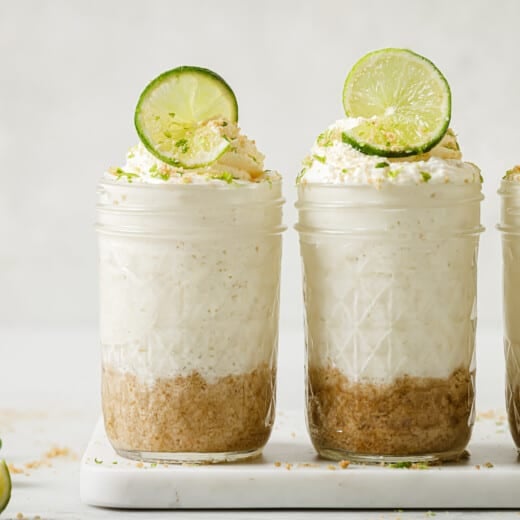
x,y
189,298
389,279
510,227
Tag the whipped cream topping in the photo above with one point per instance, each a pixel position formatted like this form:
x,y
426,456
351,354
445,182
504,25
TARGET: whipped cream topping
x,y
513,174
241,163
333,161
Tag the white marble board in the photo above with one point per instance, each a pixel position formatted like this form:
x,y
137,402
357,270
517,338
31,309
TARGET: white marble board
x,y
490,478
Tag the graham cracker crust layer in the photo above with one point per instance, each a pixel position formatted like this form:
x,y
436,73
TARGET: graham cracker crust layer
x,y
187,414
410,416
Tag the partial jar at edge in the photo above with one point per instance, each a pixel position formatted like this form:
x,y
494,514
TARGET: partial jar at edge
x,y
389,281
510,227
189,287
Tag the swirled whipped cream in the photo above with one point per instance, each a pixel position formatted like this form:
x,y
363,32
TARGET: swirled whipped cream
x,y
241,163
513,174
333,161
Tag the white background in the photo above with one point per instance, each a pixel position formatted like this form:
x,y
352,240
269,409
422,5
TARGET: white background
x,y
71,72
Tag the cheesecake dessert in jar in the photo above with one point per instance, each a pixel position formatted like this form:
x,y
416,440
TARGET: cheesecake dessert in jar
x,y
510,227
389,233
190,249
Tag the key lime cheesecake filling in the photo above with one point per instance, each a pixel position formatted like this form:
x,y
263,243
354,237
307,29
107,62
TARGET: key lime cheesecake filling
x,y
510,227
190,252
388,235
334,161
240,163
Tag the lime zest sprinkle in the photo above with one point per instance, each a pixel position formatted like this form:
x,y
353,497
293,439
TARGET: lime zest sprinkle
x,y
167,134
171,114
320,158
183,145
408,465
400,465
382,164
153,168
394,173
162,174
114,462
425,176
98,461
307,162
299,177
119,173
252,157
224,176
481,178
325,139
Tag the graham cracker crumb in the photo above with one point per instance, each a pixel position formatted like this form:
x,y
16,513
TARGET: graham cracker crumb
x,y
35,464
489,414
344,464
477,466
139,465
488,465
188,414
14,470
58,451
412,415
307,465
288,466
331,467
277,464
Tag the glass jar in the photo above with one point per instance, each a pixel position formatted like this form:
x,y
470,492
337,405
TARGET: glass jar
x,y
510,228
189,298
389,278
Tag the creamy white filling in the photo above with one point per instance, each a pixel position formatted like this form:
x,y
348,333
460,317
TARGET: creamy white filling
x,y
335,162
391,289
190,284
174,308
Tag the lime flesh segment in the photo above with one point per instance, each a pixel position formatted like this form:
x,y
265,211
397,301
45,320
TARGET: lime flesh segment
x,y
5,486
171,109
404,100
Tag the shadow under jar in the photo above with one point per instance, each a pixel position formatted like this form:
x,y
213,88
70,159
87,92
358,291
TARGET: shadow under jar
x,y
510,228
189,287
389,279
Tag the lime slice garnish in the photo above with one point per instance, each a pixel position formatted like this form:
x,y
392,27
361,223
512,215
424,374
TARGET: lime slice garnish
x,y
171,113
5,485
404,100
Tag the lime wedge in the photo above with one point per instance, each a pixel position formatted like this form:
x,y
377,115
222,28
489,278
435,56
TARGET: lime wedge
x,y
5,485
175,112
404,102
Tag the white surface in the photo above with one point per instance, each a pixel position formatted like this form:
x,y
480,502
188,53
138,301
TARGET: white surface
x,y
60,406
111,481
71,73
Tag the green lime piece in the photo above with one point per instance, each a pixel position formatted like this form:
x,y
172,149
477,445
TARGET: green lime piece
x,y
5,485
172,114
404,100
